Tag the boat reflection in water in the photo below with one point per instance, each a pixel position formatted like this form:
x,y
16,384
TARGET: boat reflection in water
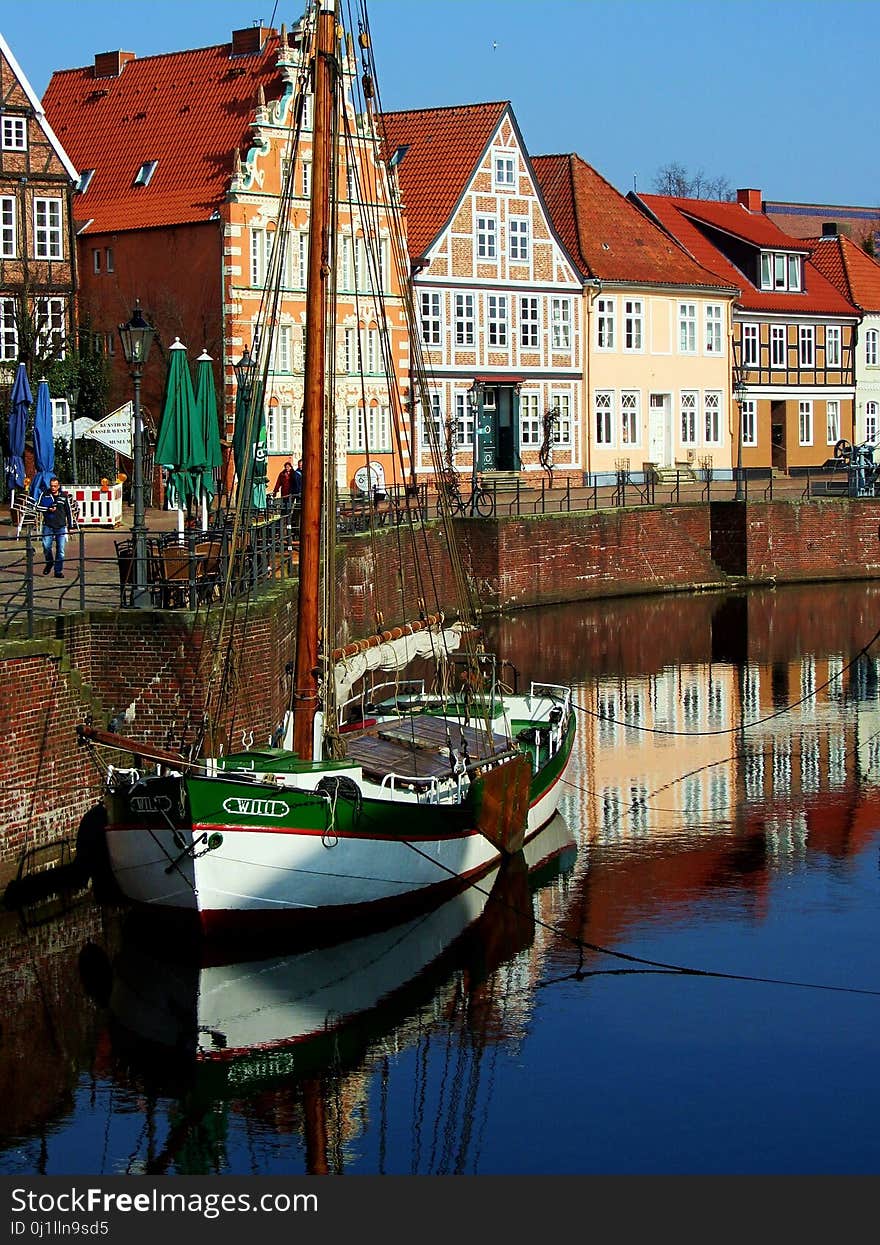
x,y
299,1023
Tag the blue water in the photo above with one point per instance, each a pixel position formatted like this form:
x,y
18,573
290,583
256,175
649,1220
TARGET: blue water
x,y
571,1041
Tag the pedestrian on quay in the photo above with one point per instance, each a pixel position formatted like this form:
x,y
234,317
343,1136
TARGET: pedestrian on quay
x,y
284,487
57,521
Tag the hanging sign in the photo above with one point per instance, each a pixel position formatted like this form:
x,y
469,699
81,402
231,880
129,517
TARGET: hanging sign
x,y
115,430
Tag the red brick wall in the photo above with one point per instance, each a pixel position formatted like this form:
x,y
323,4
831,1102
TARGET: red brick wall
x,y
102,664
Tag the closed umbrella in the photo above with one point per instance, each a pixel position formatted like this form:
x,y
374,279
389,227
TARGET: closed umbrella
x,y
20,399
181,444
249,449
44,441
206,405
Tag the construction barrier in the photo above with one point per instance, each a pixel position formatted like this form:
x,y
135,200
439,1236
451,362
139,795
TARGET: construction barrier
x,y
97,506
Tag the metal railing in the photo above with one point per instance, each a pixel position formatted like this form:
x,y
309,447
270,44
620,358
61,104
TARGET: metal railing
x,y
268,551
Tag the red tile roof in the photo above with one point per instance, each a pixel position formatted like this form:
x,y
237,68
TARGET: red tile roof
x,y
678,215
445,147
190,111
606,235
846,266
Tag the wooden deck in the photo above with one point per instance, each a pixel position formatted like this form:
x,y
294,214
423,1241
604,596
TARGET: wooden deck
x,y
418,746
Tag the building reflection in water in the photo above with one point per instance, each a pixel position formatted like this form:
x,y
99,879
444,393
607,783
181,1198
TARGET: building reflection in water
x,y
724,740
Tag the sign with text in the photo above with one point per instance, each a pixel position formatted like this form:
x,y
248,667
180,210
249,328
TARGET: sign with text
x,y
115,430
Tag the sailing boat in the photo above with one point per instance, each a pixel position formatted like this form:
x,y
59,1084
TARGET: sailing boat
x,y
377,804
296,1023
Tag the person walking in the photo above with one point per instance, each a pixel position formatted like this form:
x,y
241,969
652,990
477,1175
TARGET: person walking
x,y
284,487
57,521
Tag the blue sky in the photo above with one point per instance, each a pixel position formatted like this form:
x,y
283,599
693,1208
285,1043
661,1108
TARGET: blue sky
x,y
774,94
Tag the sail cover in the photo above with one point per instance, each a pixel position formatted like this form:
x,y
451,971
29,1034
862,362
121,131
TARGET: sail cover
x,y
393,654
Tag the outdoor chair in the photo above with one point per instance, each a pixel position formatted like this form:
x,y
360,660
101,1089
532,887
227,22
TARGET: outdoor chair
x,y
26,513
125,565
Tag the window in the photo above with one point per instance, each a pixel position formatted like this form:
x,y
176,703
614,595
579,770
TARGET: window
x,y
8,330
464,319
807,345
302,260
528,323
505,172
872,421
49,323
805,422
306,183
464,421
871,347
47,229
8,243
687,328
714,316
432,422
283,343
689,404
832,345
749,421
778,345
108,259
750,345
261,248
605,324
832,418
14,133
487,237
712,410
519,238
629,417
604,416
562,427
529,420
96,259
145,173
780,271
560,319
84,181
279,429
430,304
369,430
633,319
497,319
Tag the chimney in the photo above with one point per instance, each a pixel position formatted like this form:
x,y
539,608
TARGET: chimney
x,y
829,229
111,64
750,200
252,39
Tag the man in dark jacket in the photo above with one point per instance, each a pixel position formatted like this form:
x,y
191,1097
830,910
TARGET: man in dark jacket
x,y
57,520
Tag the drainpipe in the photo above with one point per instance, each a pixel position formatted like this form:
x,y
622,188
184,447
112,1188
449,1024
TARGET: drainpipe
x,y
594,289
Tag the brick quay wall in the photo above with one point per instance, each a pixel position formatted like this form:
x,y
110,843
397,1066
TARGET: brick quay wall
x,y
157,667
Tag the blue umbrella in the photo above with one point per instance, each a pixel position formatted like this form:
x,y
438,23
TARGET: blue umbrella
x,y
44,441
20,400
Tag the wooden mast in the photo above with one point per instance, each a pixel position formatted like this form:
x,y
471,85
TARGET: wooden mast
x,y
305,680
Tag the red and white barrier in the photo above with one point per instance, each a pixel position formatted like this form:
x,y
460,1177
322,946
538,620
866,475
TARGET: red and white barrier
x,y
96,506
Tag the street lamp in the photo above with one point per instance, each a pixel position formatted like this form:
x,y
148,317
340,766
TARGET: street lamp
x,y
137,337
72,395
473,400
739,394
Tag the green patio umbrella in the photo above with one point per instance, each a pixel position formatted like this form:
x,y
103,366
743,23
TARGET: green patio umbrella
x,y
181,442
206,405
249,450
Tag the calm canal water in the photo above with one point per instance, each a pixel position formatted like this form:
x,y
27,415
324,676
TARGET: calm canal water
x,y
686,981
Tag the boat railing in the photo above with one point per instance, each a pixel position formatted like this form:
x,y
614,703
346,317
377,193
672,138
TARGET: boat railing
x,y
419,785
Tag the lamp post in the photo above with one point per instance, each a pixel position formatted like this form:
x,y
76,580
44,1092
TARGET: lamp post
x,y
137,338
245,375
72,402
473,399
739,395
